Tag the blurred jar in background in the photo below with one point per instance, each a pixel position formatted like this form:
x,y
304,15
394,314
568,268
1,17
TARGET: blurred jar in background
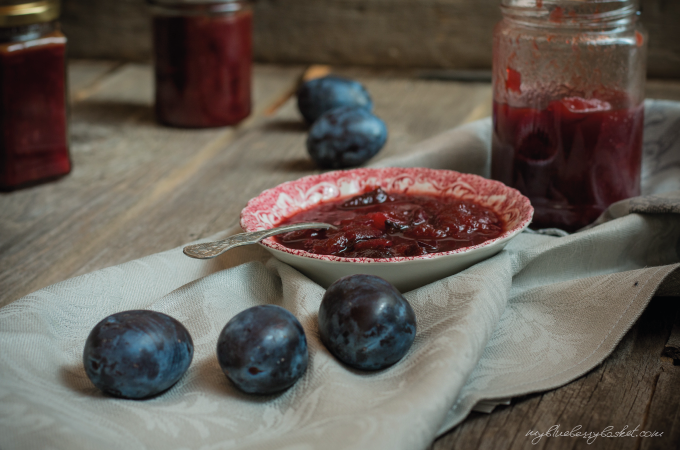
x,y
33,143
568,83
203,60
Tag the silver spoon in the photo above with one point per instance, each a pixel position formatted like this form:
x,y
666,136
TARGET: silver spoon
x,y
216,248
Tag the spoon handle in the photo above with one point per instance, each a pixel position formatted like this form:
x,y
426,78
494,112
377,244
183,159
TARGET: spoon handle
x,y
216,248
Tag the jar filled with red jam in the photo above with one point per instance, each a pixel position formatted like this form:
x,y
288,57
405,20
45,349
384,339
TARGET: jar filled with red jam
x,y
203,60
33,125
568,83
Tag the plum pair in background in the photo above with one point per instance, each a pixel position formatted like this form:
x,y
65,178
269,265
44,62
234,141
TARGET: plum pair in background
x,y
344,131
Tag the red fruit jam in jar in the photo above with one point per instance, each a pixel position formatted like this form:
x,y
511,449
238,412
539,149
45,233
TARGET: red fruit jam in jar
x,y
572,159
380,225
568,112
203,61
34,142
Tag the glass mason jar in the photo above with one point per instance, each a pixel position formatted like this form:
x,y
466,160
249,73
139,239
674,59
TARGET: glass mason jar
x,y
568,84
203,61
33,125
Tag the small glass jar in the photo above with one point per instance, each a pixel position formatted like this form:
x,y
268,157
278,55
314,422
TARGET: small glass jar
x,y
568,83
203,61
34,141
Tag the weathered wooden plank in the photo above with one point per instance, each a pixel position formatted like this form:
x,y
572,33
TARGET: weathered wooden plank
x,y
660,18
671,350
124,166
663,89
85,75
138,188
273,151
663,410
632,387
118,30
379,33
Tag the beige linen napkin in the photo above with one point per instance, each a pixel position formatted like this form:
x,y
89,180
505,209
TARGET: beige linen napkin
x,y
537,315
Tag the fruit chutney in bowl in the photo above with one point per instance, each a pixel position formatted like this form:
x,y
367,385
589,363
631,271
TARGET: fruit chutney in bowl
x,y
410,226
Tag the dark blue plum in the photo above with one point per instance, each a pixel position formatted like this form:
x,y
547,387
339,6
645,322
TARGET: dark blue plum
x,y
317,96
263,350
137,354
345,137
365,322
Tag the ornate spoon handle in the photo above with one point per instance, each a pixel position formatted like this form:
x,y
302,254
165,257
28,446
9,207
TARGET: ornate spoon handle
x,y
216,248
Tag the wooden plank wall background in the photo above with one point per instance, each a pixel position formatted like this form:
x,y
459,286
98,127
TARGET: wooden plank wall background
x,y
452,34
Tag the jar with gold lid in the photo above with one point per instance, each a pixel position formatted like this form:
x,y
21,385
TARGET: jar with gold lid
x,y
33,119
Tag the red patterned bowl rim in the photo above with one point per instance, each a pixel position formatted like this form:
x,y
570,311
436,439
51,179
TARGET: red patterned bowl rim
x,y
274,205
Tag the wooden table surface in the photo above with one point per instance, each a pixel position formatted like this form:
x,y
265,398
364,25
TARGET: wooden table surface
x,y
138,188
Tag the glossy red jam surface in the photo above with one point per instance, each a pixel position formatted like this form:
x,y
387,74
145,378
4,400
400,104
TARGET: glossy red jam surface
x,y
33,143
381,225
203,69
572,159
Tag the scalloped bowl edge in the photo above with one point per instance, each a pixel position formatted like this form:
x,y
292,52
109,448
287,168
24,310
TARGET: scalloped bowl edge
x,y
405,273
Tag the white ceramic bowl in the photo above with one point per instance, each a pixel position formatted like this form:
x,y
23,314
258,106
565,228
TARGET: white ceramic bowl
x,y
272,206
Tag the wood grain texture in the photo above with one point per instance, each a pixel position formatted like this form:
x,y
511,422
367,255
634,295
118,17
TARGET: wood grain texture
x,y
138,188
125,168
663,89
84,76
379,33
671,350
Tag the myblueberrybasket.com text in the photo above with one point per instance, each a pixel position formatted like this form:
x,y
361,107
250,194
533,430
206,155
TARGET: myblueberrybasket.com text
x,y
590,436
